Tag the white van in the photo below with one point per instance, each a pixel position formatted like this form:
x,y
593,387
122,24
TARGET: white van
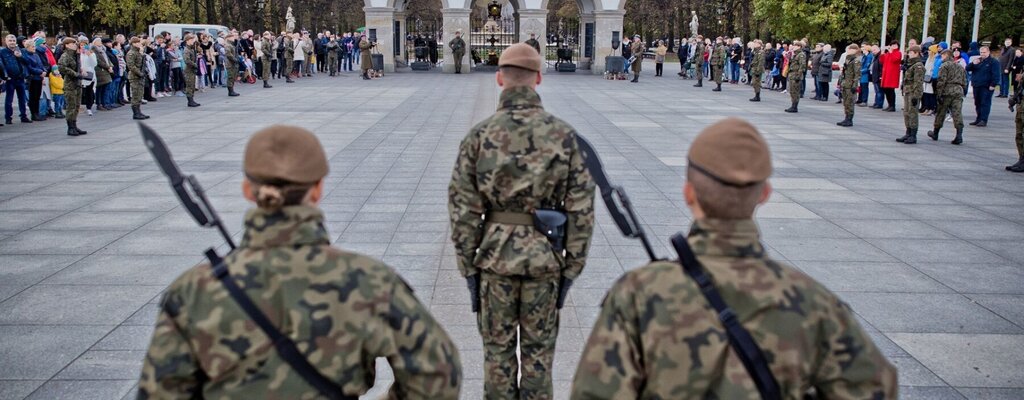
x,y
179,30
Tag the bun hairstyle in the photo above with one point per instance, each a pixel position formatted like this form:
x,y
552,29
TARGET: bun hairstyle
x,y
275,196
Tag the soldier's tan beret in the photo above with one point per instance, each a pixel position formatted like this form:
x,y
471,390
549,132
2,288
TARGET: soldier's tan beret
x,y
732,153
521,55
285,154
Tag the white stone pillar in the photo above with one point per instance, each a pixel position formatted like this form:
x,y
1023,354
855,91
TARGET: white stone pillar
x,y
536,22
383,20
456,19
608,21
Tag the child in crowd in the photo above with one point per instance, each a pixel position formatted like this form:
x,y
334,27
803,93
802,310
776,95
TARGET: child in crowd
x,y
57,91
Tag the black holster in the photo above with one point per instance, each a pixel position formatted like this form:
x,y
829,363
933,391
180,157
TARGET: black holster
x,y
551,224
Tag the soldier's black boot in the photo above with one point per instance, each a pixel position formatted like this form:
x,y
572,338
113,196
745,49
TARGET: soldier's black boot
x,y
912,137
266,85
636,78
700,83
74,132
1018,167
845,122
137,113
74,124
934,134
192,103
791,109
232,92
959,136
288,79
717,88
905,136
757,97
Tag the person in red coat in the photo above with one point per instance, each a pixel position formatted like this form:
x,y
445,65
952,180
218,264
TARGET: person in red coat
x,y
891,61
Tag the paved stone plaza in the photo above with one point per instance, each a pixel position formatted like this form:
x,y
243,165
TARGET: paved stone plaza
x,y
924,241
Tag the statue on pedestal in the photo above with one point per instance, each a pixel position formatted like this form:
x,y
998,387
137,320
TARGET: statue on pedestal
x,y
290,26
694,24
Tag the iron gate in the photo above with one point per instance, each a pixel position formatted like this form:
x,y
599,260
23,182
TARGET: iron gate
x,y
422,48
563,47
488,38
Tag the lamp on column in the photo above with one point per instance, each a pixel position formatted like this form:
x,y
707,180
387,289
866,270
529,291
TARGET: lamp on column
x,y
494,10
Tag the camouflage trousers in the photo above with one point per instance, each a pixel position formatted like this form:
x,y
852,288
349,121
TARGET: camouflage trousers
x,y
716,74
265,74
849,98
232,71
699,69
507,303
755,82
794,89
332,62
190,83
457,58
1020,130
953,105
910,113
73,100
137,90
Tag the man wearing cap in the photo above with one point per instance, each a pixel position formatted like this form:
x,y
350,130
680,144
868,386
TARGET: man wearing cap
x,y
949,89
698,61
513,167
136,64
797,70
718,56
231,62
341,309
267,48
657,337
637,50
458,47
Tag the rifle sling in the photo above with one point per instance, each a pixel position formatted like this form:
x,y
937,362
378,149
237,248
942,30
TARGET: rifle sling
x,y
739,338
285,347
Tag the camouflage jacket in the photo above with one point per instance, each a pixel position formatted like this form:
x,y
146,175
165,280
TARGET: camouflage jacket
x,y
70,69
913,79
136,64
952,79
268,50
798,66
533,43
457,45
342,310
757,62
719,55
191,61
698,55
231,56
289,49
851,72
657,336
520,159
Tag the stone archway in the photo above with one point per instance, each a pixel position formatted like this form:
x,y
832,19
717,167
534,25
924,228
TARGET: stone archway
x,y
384,17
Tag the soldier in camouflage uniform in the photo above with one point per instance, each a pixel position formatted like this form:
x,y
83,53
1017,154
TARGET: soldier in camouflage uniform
x,y
756,68
1016,100
913,89
519,160
70,69
657,337
342,309
136,64
718,56
532,41
267,46
289,58
797,70
458,47
637,50
698,61
231,62
949,88
849,82
191,68
332,48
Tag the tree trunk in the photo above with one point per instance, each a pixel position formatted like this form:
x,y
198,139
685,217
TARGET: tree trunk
x,y
195,11
211,14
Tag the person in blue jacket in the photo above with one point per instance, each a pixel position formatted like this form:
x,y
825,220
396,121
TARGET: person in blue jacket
x,y
37,70
14,61
865,74
985,75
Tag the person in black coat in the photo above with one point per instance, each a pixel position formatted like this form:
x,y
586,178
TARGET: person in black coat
x,y
985,76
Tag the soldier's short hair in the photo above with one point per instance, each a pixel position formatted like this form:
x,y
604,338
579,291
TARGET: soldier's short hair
x,y
515,76
135,40
721,201
68,40
853,46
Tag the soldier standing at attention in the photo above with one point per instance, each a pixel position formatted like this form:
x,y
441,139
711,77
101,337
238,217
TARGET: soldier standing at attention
x,y
191,67
949,88
698,61
637,50
756,68
532,41
231,62
332,54
718,56
136,64
458,47
657,337
913,89
289,57
849,82
341,309
365,61
70,69
1018,97
267,47
797,70
513,167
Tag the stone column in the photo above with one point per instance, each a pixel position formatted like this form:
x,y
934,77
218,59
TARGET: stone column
x,y
586,62
456,19
383,20
607,22
400,18
536,22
